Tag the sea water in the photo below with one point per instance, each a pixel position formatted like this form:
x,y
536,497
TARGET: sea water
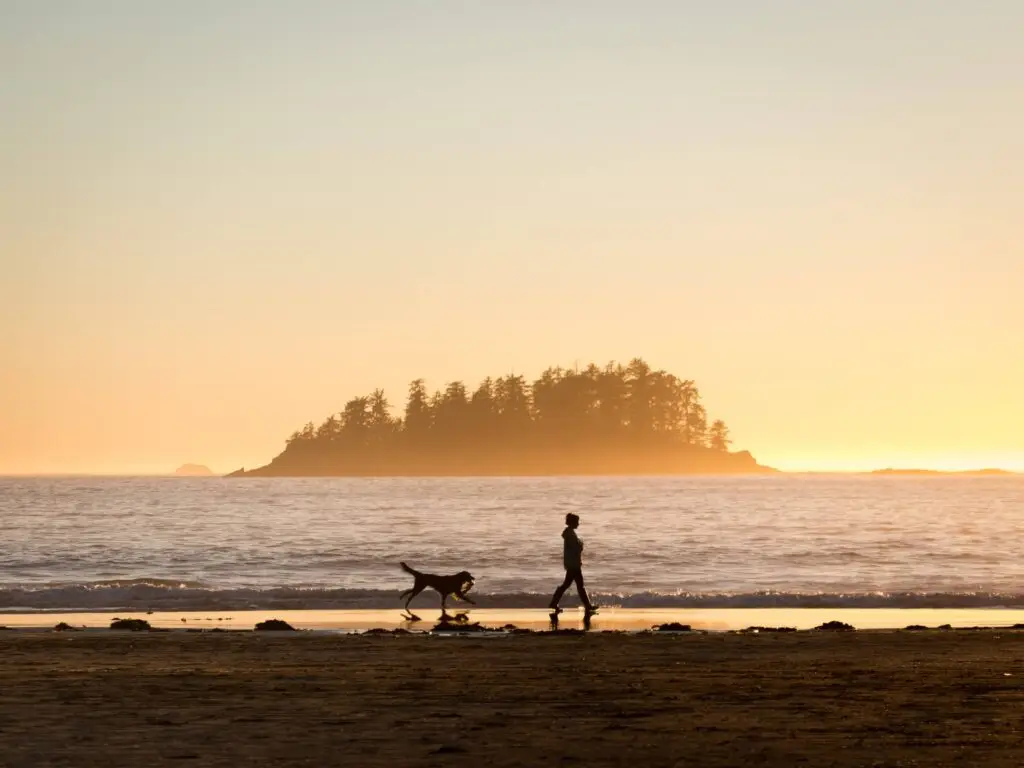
x,y
170,544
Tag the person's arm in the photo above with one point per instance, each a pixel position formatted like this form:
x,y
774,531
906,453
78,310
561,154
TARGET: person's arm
x,y
577,544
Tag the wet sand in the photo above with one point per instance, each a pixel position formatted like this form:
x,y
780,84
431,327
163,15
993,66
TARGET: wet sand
x,y
610,617
236,698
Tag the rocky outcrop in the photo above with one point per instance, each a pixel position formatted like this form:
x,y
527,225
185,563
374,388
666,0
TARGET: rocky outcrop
x,y
193,470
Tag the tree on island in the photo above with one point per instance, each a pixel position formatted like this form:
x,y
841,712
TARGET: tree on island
x,y
613,419
718,436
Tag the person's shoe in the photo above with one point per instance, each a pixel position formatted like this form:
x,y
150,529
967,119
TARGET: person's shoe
x,y
591,609
554,609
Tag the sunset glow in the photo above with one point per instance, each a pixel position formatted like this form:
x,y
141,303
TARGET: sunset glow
x,y
223,223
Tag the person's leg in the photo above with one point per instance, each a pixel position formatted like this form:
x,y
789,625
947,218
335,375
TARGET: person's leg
x,y
581,590
569,575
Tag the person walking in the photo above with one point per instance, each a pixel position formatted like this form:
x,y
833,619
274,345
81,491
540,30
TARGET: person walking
x,y
572,558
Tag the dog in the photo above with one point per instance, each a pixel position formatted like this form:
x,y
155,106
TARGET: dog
x,y
456,585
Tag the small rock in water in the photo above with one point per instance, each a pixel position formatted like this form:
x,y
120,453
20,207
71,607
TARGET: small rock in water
x,y
274,625
674,626
915,628
133,625
64,627
836,626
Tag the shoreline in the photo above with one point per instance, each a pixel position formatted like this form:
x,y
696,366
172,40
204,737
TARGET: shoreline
x,y
720,620
263,472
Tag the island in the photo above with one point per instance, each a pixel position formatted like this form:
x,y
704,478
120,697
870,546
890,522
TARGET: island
x,y
599,420
194,470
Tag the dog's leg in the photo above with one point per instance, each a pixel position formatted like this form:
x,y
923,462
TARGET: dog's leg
x,y
412,593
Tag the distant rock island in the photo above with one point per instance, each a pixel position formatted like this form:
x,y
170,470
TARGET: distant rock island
x,y
963,472
193,470
600,420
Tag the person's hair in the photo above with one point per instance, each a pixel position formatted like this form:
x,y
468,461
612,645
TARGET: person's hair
x,y
571,518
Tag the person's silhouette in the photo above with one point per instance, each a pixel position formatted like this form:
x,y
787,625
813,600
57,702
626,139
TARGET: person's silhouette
x,y
572,556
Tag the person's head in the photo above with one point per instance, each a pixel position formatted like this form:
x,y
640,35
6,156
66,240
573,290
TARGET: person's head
x,y
571,520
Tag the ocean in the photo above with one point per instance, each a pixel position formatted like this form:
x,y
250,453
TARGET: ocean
x,y
846,541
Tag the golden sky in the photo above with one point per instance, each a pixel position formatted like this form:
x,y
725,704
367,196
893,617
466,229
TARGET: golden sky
x,y
221,220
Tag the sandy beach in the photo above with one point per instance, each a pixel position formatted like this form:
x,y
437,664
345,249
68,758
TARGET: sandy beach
x,y
227,698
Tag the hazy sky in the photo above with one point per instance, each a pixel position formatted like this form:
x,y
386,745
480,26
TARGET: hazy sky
x,y
220,220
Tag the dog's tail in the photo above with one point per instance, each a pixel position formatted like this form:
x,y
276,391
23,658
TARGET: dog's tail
x,y
407,569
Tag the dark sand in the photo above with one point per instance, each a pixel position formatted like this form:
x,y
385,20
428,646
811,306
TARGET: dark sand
x,y
864,698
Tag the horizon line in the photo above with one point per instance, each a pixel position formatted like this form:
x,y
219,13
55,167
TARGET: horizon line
x,y
214,475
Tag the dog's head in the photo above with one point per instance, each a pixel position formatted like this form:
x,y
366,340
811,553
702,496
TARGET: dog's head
x,y
466,579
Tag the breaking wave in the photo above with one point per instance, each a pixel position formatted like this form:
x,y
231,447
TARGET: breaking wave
x,y
180,595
